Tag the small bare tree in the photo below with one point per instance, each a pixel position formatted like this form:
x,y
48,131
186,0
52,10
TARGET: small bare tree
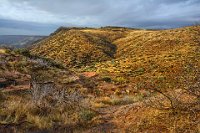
x,y
41,89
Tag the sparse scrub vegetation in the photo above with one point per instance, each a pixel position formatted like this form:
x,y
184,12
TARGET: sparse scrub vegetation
x,y
87,115
58,109
112,77
120,80
120,100
82,48
106,79
41,116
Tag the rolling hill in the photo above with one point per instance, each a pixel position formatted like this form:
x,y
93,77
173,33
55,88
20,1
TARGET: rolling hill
x,y
78,46
140,58
74,46
110,79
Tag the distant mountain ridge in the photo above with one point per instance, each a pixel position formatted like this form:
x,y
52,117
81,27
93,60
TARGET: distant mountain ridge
x,y
19,40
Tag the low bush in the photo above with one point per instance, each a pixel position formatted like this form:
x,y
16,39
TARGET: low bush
x,y
115,100
87,115
107,79
120,80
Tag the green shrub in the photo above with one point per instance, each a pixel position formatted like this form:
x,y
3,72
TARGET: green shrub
x,y
24,52
120,80
87,115
116,100
107,79
138,71
8,51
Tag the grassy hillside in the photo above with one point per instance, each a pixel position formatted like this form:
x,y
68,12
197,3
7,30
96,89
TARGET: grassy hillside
x,y
110,79
155,55
76,47
141,59
131,55
25,109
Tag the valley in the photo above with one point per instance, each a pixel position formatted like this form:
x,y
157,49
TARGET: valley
x,y
18,41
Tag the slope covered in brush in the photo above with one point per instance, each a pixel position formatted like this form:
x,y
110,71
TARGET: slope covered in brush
x,y
76,47
164,58
157,42
134,81
135,56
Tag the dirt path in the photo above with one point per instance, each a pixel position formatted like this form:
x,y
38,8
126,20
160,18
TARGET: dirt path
x,y
115,119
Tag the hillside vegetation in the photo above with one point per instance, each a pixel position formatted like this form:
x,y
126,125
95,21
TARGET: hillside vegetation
x,y
135,55
157,56
109,79
55,99
76,47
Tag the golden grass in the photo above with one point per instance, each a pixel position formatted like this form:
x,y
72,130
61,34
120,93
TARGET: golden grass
x,y
117,100
152,120
28,115
75,48
154,56
129,61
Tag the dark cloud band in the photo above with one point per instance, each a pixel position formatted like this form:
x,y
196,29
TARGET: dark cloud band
x,y
42,14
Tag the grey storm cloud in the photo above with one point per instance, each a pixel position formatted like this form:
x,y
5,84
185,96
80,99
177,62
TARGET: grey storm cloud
x,y
44,16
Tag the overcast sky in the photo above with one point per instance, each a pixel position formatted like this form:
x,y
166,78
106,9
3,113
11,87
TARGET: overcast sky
x,y
41,17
